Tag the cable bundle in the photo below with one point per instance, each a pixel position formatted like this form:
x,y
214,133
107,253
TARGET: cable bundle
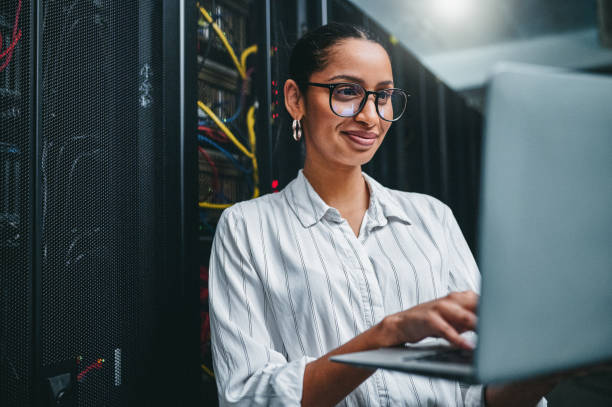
x,y
213,137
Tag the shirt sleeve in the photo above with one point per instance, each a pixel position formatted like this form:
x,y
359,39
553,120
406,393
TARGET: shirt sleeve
x,y
248,358
464,275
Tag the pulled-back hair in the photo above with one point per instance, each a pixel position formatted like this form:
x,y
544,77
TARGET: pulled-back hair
x,y
311,52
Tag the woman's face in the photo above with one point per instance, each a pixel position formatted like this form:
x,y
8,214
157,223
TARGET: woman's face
x,y
347,141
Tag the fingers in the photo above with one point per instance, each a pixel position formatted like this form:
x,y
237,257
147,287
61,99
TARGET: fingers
x,y
466,299
460,318
446,331
445,317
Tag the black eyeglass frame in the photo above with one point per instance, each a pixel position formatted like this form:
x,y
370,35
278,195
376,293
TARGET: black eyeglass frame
x,y
376,93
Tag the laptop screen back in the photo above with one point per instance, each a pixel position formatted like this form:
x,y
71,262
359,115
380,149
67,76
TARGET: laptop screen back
x,y
545,231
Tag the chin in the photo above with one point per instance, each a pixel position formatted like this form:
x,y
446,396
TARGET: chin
x,y
355,159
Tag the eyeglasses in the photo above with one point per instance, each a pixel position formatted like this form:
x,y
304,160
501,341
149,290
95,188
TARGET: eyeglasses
x,y
348,99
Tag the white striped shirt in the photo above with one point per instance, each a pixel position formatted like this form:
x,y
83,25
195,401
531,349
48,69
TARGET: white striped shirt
x,y
290,281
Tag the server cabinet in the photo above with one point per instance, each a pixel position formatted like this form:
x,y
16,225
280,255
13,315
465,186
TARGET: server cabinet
x,y
92,224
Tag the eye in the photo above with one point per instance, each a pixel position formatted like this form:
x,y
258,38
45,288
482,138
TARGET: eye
x,y
346,91
383,96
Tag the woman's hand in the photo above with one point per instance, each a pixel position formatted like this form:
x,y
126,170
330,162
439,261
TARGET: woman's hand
x,y
445,317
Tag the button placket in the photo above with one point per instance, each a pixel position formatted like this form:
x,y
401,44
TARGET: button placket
x,y
362,265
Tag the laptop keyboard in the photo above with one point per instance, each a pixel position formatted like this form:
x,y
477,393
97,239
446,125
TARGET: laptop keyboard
x,y
460,356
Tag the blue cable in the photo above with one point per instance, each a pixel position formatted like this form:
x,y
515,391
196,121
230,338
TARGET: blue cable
x,y
225,152
229,119
204,220
235,115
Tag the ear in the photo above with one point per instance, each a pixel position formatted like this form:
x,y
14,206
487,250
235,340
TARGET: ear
x,y
294,100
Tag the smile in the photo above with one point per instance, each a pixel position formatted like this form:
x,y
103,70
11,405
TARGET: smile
x,y
362,138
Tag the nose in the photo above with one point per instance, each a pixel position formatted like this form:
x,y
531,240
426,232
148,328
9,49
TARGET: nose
x,y
368,114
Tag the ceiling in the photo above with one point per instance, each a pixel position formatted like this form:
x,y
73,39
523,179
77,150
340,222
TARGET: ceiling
x,y
461,41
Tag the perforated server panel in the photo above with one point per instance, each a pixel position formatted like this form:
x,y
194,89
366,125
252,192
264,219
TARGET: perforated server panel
x,y
93,278
16,200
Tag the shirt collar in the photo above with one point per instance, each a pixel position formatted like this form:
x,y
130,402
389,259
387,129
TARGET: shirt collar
x,y
310,208
383,205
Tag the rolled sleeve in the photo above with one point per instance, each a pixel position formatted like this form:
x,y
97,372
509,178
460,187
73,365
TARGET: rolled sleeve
x,y
248,357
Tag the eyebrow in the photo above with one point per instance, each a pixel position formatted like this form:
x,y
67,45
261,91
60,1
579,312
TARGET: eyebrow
x,y
358,80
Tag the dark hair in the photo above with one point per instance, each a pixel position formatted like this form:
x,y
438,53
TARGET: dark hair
x,y
311,52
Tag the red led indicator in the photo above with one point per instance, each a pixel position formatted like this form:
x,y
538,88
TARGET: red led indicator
x,y
275,184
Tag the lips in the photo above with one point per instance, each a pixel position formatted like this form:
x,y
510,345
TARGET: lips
x,y
363,138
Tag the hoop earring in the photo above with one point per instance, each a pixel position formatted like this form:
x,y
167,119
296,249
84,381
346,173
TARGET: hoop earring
x,y
297,130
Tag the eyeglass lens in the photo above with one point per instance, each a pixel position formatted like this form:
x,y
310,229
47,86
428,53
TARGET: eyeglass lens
x,y
347,98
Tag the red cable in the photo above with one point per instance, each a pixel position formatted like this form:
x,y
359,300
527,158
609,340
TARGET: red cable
x,y
212,164
16,37
14,30
214,134
217,138
96,365
209,130
12,46
204,273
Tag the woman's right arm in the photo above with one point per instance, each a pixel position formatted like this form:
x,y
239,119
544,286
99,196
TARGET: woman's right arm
x,y
326,383
250,361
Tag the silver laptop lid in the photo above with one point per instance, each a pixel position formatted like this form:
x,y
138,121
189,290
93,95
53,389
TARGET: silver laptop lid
x,y
545,241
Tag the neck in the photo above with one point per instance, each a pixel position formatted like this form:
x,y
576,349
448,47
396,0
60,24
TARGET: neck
x,y
341,187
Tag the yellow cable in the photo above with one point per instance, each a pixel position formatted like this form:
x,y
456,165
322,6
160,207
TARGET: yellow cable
x,y
213,206
253,157
207,370
250,50
224,128
241,66
252,140
227,45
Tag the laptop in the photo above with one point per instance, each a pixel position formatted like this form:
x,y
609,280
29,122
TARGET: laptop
x,y
545,235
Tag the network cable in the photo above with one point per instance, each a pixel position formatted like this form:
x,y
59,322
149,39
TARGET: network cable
x,y
213,166
207,370
224,128
255,170
225,153
227,45
214,134
244,74
8,53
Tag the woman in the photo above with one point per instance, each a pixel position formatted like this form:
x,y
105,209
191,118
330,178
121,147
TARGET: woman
x,y
337,263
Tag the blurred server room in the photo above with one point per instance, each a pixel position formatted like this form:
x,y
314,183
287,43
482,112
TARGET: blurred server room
x,y
126,127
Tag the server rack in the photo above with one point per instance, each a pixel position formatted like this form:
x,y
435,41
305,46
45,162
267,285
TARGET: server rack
x,y
95,241
228,157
